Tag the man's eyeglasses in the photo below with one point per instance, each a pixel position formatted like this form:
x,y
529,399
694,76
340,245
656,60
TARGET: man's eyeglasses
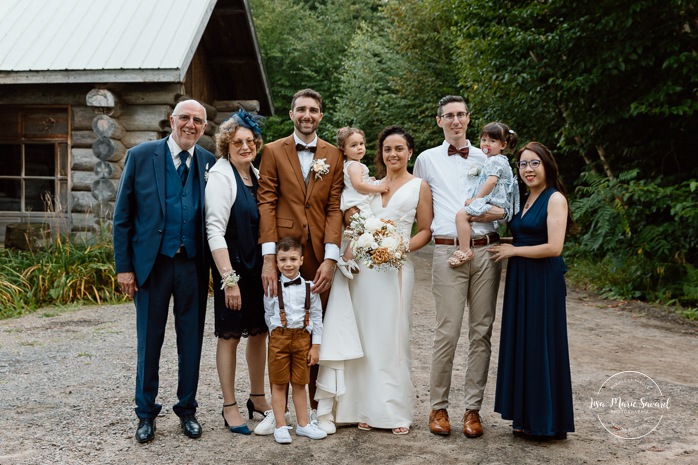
x,y
461,115
185,119
532,163
238,143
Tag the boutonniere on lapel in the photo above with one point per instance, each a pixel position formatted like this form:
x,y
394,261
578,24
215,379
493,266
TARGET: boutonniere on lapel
x,y
474,172
320,168
206,173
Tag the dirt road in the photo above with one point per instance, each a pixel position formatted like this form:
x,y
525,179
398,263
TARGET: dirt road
x,y
67,376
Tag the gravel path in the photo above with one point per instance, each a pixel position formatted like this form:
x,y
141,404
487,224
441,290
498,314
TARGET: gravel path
x,y
67,375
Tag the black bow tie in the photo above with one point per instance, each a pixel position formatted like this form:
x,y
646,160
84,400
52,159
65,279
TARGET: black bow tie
x,y
292,282
463,152
305,148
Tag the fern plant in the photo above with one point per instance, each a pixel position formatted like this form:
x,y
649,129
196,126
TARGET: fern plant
x,y
642,233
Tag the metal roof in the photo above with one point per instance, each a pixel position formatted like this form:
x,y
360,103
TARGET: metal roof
x,y
48,41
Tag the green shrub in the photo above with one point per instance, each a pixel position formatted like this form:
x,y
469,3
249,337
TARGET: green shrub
x,y
639,237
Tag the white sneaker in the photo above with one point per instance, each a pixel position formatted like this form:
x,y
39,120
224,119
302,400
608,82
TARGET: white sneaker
x,y
268,424
325,425
309,431
282,436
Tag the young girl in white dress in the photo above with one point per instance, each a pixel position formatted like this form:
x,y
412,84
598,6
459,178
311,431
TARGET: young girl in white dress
x,y
359,187
496,186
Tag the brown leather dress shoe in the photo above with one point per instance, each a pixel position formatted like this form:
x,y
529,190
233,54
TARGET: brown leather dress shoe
x,y
472,427
438,422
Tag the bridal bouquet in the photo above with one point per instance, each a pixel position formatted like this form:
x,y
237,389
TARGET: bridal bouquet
x,y
377,242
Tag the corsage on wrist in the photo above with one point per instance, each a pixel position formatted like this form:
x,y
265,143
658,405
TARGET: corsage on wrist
x,y
230,279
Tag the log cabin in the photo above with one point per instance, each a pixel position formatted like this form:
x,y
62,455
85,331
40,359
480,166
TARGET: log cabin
x,y
82,81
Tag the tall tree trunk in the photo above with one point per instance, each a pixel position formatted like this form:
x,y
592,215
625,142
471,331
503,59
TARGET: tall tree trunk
x,y
606,167
586,159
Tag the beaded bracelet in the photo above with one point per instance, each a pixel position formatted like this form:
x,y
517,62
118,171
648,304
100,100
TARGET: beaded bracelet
x,y
231,279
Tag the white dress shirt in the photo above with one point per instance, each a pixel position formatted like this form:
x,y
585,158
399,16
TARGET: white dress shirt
x,y
174,152
305,156
294,307
452,180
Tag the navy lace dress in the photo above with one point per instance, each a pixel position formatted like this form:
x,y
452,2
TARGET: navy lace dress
x,y
534,387
246,258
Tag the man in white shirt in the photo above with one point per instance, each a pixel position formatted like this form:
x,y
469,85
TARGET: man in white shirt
x,y
452,170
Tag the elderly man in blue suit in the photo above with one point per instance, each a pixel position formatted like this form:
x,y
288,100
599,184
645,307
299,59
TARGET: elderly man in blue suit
x,y
160,251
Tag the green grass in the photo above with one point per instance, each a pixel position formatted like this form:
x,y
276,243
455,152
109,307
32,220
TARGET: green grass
x,y
688,313
66,274
613,282
30,343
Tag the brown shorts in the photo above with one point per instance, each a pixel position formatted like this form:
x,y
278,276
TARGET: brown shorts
x,y
288,356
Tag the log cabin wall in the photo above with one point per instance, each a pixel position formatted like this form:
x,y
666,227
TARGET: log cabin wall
x,y
17,98
106,121
198,82
98,142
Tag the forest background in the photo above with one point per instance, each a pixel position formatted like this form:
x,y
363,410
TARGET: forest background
x,y
611,87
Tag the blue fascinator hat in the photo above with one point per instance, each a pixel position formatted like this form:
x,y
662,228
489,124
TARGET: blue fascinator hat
x,y
248,120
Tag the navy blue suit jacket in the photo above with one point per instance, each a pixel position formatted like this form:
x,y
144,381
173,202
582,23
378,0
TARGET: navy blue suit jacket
x,y
139,213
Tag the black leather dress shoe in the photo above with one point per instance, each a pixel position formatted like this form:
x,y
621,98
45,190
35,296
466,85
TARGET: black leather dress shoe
x,y
146,430
190,426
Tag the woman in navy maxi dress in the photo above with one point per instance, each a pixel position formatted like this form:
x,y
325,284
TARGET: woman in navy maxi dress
x,y
534,386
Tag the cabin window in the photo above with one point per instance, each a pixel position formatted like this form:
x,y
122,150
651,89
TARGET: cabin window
x,y
34,159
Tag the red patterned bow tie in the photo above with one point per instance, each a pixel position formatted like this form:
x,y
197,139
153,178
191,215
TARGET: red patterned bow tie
x,y
462,152
305,148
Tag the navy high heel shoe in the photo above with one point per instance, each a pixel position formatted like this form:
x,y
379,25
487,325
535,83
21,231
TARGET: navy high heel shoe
x,y
241,429
251,408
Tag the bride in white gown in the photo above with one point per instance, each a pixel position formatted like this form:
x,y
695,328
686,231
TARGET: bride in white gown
x,y
365,360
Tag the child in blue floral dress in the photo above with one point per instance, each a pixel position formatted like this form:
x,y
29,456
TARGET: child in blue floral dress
x,y
496,186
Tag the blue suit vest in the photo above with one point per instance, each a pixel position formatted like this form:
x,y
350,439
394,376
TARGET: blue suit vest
x,y
182,224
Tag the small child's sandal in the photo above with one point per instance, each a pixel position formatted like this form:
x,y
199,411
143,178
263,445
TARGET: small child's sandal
x,y
459,258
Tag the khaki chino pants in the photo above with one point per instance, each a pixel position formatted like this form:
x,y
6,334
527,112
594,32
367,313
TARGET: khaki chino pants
x,y
476,284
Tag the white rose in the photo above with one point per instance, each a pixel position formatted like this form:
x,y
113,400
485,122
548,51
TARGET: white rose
x,y
390,243
366,241
474,172
373,224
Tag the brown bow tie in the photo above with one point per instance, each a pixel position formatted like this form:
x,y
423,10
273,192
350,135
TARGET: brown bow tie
x,y
292,282
462,152
306,148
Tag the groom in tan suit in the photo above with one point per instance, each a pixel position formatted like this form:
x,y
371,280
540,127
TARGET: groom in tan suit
x,y
300,184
